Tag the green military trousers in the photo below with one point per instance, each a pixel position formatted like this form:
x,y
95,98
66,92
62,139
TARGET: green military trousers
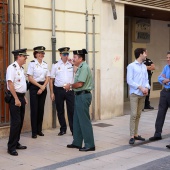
x,y
82,127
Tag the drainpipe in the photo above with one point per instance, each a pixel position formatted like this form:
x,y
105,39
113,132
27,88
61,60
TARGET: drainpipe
x,y
14,24
9,32
19,24
87,39
114,9
93,92
53,41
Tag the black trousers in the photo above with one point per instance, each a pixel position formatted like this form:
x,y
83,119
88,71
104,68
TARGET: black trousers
x,y
147,102
16,117
60,96
37,103
164,103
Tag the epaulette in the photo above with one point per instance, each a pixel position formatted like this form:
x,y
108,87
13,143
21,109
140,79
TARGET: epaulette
x,y
33,61
55,62
44,62
14,65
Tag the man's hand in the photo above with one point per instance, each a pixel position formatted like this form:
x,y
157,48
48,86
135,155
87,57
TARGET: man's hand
x,y
66,87
52,96
17,102
166,81
145,91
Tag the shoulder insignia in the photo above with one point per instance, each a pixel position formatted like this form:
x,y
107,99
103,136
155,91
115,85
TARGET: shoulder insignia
x,y
33,61
44,62
55,62
14,65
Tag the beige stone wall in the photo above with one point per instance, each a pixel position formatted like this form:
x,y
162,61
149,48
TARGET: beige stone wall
x,y
70,31
112,61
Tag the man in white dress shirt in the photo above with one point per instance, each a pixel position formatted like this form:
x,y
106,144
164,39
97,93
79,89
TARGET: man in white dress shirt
x,y
62,73
137,79
16,84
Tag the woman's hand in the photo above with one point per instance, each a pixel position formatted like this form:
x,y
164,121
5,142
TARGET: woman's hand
x,y
39,91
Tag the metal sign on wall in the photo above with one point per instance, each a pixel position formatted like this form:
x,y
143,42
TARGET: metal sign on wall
x,y
141,31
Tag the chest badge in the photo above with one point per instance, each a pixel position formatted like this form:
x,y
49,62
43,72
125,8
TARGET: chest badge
x,y
19,73
58,68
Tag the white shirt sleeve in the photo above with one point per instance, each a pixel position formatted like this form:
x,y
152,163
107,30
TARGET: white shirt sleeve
x,y
10,75
53,71
30,70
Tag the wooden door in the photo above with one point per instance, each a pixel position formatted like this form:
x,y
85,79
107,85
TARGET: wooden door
x,y
4,109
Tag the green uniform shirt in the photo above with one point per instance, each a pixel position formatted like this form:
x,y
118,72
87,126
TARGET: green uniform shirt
x,y
83,74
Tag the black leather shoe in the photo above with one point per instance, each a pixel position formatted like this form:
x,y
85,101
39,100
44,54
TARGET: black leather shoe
x,y
139,138
168,146
34,136
21,147
149,107
131,141
61,133
73,146
87,149
13,153
155,138
41,134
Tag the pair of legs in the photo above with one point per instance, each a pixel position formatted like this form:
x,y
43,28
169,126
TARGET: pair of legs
x,y
60,96
82,127
37,103
17,117
164,103
136,103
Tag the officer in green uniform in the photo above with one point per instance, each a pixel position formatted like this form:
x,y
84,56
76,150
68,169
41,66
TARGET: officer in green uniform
x,y
82,127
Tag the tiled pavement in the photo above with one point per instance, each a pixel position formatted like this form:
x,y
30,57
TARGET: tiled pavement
x,y
112,149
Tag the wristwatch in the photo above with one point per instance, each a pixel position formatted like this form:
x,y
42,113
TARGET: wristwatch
x,y
70,86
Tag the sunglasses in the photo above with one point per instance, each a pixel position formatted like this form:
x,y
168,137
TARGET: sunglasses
x,y
65,54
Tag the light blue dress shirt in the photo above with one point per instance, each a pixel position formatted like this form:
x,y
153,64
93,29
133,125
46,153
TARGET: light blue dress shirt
x,y
137,75
165,75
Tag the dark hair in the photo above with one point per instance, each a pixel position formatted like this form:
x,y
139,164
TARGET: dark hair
x,y
168,52
34,53
82,56
15,57
139,51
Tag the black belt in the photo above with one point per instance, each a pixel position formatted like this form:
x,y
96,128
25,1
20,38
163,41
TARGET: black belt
x,y
81,92
59,88
20,94
167,89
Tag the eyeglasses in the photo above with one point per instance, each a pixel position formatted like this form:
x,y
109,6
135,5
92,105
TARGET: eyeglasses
x,y
65,54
